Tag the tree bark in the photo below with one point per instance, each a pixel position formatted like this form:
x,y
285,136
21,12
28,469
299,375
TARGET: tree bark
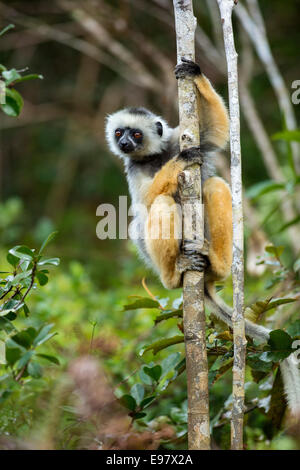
x,y
238,322
193,282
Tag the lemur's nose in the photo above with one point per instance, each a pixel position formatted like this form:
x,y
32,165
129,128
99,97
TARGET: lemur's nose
x,y
126,146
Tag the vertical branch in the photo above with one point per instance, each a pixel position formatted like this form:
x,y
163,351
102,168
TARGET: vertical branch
x,y
258,36
238,322
193,282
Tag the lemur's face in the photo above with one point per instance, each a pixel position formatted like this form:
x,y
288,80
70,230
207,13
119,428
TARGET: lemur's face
x,y
129,139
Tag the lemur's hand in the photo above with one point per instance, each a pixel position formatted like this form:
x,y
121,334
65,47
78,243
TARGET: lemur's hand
x,y
193,257
187,68
191,155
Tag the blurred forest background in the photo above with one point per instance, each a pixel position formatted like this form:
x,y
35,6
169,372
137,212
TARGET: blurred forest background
x,y
55,169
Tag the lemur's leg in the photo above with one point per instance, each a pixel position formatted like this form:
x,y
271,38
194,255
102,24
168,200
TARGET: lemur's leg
x,y
163,239
218,219
164,224
214,122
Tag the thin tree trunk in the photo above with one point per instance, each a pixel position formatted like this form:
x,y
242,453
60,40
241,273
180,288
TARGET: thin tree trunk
x,y
193,283
238,322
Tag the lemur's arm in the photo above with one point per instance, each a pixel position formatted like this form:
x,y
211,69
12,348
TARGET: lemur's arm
x,y
216,195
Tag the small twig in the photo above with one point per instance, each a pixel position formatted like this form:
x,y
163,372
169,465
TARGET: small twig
x,y
150,293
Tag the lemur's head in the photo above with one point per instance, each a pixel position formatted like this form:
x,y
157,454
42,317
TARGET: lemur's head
x,y
136,133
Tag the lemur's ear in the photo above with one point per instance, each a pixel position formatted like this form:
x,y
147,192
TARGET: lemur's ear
x,y
159,128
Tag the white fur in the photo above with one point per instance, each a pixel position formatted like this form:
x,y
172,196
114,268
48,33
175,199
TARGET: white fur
x,y
152,142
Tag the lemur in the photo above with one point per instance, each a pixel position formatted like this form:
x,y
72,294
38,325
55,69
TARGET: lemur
x,y
153,161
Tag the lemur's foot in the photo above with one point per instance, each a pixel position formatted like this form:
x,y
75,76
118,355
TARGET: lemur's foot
x,y
193,257
192,155
187,68
195,246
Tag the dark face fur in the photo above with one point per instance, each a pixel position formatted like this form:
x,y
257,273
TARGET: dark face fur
x,y
129,140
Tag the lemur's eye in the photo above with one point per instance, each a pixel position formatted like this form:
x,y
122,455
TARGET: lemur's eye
x,y
118,133
137,135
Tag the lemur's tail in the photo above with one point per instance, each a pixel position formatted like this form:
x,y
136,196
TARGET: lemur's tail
x,y
288,367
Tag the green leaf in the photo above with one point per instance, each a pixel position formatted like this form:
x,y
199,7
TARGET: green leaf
x,y
51,261
275,250
169,314
153,372
25,338
294,221
10,76
13,260
162,344
264,187
256,310
287,136
25,359
128,401
23,252
294,328
13,102
170,362
43,335
137,392
7,28
146,379
47,240
142,303
256,363
280,340
138,415
296,266
42,278
25,78
147,401
34,369
49,358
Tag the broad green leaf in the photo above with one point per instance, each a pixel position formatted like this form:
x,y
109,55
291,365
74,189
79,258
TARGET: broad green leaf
x,y
294,328
138,415
50,261
256,363
31,76
162,344
275,250
170,362
13,260
256,310
25,359
23,252
34,369
10,76
296,266
146,402
146,379
13,103
42,278
142,303
153,372
137,392
294,221
128,401
264,187
280,340
43,333
46,242
49,358
169,314
25,337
